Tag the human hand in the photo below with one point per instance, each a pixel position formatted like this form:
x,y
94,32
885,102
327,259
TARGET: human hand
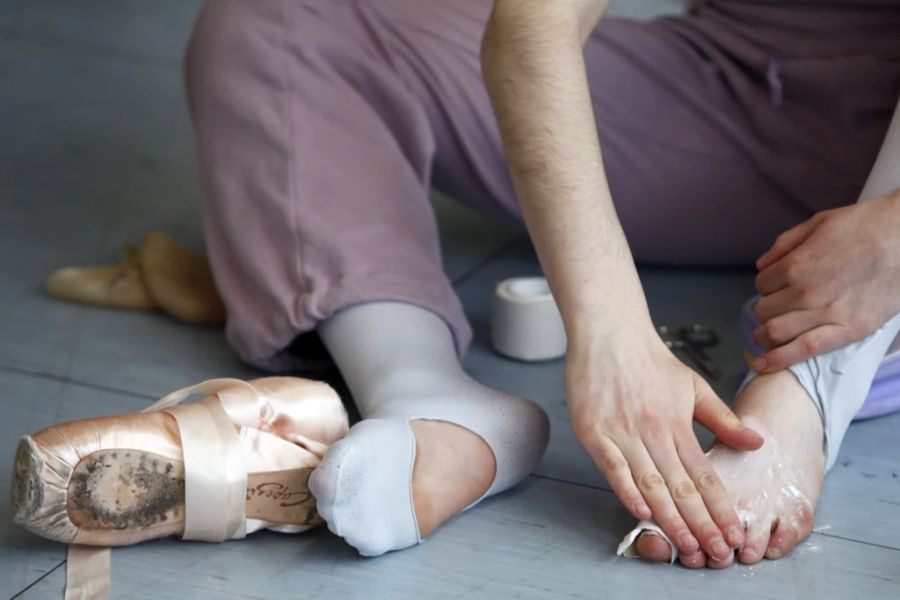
x,y
632,405
828,282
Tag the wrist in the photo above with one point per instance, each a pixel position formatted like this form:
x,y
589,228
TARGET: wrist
x,y
611,329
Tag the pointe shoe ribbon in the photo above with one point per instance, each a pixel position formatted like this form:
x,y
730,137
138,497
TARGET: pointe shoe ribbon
x,y
213,458
628,546
214,435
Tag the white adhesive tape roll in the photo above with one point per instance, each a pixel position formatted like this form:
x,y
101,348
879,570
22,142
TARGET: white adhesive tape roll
x,y
526,323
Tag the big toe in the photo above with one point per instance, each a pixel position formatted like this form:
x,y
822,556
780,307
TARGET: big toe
x,y
651,546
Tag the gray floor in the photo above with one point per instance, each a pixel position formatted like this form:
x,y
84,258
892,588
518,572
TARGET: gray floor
x,y
96,149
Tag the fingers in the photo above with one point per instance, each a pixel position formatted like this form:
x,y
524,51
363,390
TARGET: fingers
x,y
772,278
695,560
784,328
687,498
813,342
651,546
720,564
656,493
610,460
787,241
715,415
712,491
778,303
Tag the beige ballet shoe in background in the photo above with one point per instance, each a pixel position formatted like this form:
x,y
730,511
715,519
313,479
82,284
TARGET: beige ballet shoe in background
x,y
120,286
180,281
235,462
161,274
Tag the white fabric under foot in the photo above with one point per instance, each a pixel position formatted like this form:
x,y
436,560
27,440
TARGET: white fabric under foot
x,y
400,363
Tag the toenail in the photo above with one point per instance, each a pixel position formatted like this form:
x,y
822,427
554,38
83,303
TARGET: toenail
x,y
748,553
720,550
734,536
773,553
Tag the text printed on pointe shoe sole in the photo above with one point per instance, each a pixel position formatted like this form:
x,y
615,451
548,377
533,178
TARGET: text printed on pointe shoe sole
x,y
281,497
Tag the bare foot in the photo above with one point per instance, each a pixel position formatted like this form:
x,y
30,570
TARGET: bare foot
x,y
454,467
774,489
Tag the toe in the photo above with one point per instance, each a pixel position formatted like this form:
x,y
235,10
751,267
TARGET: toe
x,y
794,526
651,546
784,538
694,560
756,541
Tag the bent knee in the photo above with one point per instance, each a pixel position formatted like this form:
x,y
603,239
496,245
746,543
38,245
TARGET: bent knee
x,y
231,41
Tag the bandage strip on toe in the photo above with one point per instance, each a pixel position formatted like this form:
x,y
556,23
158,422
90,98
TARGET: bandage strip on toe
x,y
837,382
364,484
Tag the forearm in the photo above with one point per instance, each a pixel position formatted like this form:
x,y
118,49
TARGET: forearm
x,y
534,70
884,178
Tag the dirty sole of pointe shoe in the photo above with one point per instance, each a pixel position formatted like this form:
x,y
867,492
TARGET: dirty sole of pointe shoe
x,y
125,489
132,490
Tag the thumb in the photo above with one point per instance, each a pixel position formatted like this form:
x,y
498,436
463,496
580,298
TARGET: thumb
x,y
715,415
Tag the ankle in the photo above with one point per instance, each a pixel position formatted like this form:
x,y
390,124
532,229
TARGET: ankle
x,y
779,408
412,382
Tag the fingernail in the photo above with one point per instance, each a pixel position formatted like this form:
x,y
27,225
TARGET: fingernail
x,y
641,508
733,535
720,550
760,364
687,542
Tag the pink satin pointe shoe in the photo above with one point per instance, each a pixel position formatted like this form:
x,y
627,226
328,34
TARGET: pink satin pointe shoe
x,y
235,462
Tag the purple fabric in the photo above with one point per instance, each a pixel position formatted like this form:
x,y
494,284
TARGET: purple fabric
x,y
884,396
322,124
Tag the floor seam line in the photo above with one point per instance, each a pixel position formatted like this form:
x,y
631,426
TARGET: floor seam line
x,y
37,581
846,539
575,483
461,279
65,379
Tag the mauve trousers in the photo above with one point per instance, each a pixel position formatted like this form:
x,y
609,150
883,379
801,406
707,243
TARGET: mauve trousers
x,y
322,124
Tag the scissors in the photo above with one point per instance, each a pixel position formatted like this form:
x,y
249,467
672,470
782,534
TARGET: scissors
x,y
692,339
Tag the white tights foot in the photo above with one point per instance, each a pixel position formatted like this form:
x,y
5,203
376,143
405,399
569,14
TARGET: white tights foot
x,y
433,441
